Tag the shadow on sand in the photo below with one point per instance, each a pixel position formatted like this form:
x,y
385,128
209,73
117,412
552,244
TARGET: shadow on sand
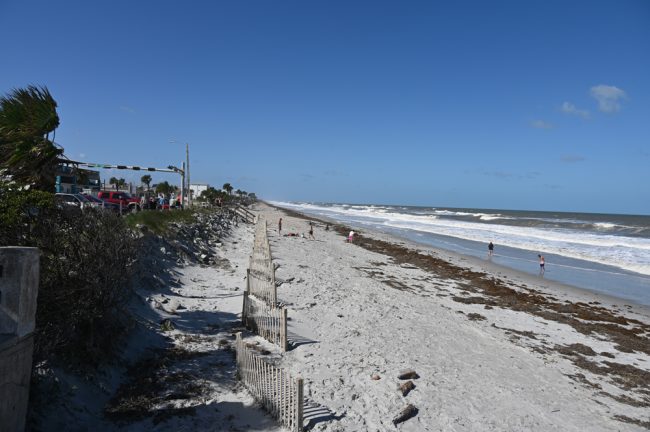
x,y
295,340
314,413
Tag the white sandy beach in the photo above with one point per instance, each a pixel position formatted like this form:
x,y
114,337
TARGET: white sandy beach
x,y
367,315
355,313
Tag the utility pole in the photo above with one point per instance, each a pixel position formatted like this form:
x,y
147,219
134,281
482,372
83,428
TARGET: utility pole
x,y
183,190
187,175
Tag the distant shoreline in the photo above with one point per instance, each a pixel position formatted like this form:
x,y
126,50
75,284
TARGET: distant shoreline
x,y
478,335
549,287
576,273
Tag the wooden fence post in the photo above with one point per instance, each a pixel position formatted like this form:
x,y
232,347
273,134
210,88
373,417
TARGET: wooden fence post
x,y
283,330
244,318
238,356
299,397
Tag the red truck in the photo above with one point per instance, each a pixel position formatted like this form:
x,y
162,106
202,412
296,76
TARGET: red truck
x,y
127,202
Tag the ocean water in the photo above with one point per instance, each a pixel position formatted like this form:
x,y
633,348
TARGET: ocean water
x,y
602,253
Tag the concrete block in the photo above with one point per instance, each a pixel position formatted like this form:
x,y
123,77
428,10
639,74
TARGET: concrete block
x,y
15,373
19,273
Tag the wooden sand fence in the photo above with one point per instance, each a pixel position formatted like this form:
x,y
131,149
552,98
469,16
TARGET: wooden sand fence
x,y
262,286
260,311
268,322
261,246
261,272
279,392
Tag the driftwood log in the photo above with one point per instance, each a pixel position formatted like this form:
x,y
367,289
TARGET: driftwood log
x,y
408,374
408,412
406,387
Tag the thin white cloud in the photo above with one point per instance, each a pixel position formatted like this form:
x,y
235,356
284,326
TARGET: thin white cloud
x,y
498,174
127,109
334,173
541,124
608,97
572,158
508,175
533,174
569,108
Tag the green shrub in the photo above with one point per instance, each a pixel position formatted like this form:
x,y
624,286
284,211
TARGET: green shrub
x,y
86,265
158,221
19,211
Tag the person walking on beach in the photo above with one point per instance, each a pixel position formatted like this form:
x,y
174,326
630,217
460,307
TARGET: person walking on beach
x,y
541,264
311,231
350,236
490,250
280,226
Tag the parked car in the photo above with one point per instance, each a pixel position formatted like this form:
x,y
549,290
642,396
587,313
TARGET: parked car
x,y
103,204
73,200
127,202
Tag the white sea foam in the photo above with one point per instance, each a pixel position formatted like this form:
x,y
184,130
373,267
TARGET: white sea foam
x,y
607,225
490,217
629,253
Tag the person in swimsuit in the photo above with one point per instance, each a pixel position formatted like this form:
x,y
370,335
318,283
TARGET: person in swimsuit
x,y
541,264
280,226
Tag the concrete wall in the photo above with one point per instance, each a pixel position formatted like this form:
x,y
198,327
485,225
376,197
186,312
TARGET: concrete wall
x,y
18,289
19,273
15,372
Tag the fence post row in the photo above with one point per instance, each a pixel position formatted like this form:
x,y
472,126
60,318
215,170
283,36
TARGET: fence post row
x,y
276,389
260,311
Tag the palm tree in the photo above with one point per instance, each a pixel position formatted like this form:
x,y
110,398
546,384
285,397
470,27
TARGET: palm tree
x,y
121,183
164,188
209,195
146,179
114,181
228,188
27,117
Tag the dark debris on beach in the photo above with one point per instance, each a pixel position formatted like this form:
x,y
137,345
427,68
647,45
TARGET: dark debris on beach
x,y
628,335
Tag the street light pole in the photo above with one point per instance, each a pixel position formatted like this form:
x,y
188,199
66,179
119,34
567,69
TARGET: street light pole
x,y
187,174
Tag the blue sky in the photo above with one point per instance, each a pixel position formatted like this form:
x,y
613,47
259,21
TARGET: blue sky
x,y
503,104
